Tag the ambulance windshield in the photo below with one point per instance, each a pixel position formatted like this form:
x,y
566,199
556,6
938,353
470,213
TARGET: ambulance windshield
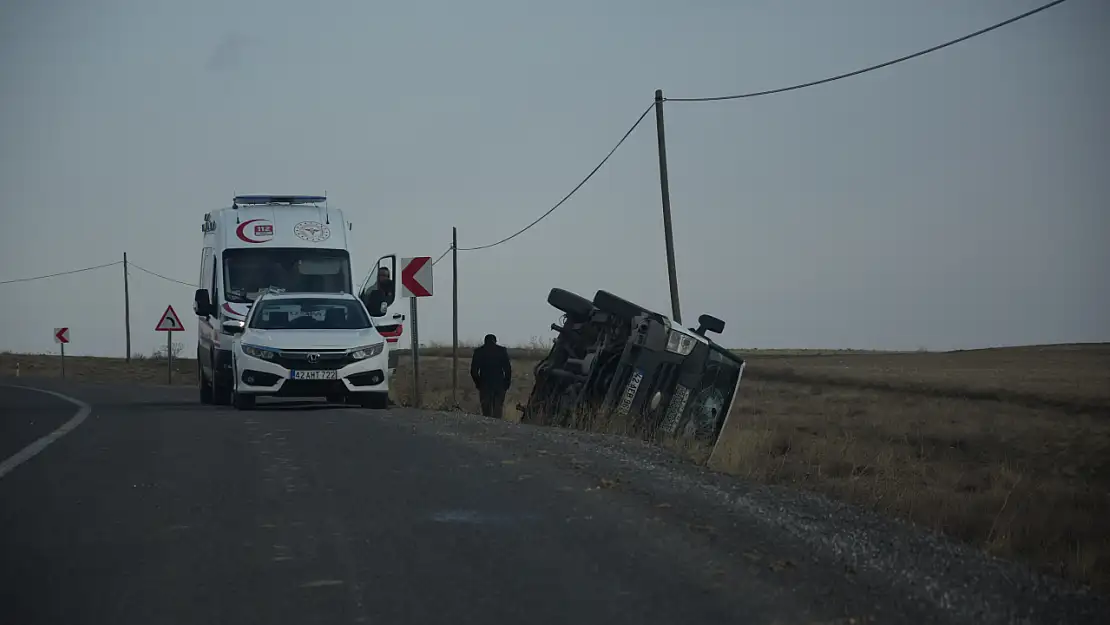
x,y
250,272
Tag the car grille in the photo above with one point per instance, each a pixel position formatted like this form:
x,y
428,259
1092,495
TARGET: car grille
x,y
299,359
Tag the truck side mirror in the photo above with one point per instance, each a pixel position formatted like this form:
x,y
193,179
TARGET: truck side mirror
x,y
709,323
202,305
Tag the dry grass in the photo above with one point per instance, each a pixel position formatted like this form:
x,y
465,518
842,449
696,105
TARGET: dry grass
x,y
141,369
1007,449
1024,482
435,383
1073,377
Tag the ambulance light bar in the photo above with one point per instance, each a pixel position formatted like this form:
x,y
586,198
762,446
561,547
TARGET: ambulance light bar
x,y
279,199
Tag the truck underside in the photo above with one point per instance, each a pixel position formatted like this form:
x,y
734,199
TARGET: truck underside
x,y
619,367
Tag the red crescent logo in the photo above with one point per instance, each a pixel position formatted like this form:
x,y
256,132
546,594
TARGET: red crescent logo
x,y
239,232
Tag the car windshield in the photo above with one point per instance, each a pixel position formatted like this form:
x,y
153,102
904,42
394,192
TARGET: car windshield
x,y
310,313
250,272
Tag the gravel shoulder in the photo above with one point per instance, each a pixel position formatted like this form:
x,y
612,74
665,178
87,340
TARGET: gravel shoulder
x,y
872,567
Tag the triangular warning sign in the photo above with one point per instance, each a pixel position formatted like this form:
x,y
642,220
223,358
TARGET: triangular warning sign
x,y
169,322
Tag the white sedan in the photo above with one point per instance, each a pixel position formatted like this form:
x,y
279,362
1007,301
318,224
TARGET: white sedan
x,y
309,345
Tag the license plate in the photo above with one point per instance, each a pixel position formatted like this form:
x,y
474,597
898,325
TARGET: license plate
x,y
630,392
314,375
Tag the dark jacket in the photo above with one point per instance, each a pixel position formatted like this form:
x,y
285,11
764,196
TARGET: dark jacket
x,y
381,293
490,368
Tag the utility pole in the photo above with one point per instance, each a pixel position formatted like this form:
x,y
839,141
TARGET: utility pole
x,y
454,317
415,338
126,309
665,191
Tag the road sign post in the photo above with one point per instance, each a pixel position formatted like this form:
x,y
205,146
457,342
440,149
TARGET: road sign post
x,y
169,323
61,337
169,358
414,340
416,282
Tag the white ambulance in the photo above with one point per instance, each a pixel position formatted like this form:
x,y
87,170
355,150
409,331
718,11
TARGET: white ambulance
x,y
274,243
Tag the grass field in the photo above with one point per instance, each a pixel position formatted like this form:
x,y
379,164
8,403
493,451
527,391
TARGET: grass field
x,y
1007,449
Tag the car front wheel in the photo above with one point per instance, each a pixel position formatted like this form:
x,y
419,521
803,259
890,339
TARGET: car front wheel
x,y
242,402
374,401
238,400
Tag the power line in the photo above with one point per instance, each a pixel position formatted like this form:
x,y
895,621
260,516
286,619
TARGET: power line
x,y
158,275
449,247
872,68
62,273
572,191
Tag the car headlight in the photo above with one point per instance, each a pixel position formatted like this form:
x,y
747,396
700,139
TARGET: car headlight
x,y
680,343
259,352
369,351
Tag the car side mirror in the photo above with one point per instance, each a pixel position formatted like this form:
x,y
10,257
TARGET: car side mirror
x,y
233,327
709,323
202,304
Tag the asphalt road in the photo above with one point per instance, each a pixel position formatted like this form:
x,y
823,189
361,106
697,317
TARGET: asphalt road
x,y
155,510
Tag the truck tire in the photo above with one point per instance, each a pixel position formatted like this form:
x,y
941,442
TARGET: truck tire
x,y
573,305
606,301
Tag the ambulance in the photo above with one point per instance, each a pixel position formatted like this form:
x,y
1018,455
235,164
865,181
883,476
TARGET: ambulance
x,y
267,244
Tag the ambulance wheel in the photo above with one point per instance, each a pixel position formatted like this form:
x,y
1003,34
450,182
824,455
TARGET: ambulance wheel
x,y
221,393
203,386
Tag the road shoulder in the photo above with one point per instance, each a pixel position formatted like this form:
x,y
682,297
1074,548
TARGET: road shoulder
x,y
835,549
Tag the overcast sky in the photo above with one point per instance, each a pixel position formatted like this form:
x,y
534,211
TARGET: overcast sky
x,y
956,200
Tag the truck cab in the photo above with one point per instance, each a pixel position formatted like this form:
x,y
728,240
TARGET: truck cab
x,y
266,244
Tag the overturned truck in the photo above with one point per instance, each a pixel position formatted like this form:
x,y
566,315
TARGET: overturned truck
x,y
615,364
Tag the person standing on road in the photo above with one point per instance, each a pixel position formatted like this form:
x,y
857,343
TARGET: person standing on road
x,y
492,372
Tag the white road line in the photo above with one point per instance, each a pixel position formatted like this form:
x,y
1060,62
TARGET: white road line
x,y
34,448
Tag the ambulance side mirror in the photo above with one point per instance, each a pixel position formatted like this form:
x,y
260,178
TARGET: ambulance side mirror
x,y
202,305
233,327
